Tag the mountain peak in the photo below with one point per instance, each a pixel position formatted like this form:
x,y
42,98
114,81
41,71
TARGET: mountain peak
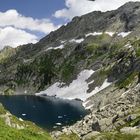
x,y
124,19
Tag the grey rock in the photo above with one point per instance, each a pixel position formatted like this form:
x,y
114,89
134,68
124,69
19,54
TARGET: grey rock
x,y
96,126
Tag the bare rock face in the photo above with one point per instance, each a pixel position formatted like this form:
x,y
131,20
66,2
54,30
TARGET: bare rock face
x,y
118,114
126,18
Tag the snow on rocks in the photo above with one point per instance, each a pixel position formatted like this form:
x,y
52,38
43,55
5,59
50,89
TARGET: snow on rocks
x,y
76,90
110,33
128,46
55,48
124,34
63,41
88,107
104,85
94,34
77,40
96,90
100,33
59,47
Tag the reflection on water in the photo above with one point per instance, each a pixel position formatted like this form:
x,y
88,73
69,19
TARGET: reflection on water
x,y
47,112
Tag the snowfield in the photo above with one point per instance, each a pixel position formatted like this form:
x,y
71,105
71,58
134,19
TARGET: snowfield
x,y
76,90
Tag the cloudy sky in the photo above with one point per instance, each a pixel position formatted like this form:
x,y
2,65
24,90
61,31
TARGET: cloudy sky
x,y
26,21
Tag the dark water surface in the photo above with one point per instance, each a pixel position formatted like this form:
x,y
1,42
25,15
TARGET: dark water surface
x,y
47,112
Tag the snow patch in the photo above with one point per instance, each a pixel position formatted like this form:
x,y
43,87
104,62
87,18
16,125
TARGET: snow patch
x,y
110,33
96,90
104,85
62,41
100,33
77,40
94,34
76,90
85,103
88,107
59,47
55,48
128,46
124,34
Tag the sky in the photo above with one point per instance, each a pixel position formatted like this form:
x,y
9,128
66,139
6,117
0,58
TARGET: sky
x,y
27,21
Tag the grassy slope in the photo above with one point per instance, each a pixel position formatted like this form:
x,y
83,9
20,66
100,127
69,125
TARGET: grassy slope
x,y
30,131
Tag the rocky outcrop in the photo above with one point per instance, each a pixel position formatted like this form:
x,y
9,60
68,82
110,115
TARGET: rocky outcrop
x,y
117,115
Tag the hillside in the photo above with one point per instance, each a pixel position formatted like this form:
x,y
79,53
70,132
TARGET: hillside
x,y
86,42
12,128
94,58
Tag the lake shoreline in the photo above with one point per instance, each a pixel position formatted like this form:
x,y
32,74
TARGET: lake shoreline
x,y
50,113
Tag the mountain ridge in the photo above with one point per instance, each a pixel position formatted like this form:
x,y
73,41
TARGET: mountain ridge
x,y
73,38
128,7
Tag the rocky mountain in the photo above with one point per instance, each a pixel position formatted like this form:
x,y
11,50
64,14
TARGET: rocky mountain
x,y
92,41
95,58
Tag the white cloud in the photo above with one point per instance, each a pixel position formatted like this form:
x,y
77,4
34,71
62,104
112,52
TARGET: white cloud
x,y
81,7
13,18
14,26
13,37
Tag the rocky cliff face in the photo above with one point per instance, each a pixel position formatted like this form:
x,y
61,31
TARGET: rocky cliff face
x,y
98,52
99,41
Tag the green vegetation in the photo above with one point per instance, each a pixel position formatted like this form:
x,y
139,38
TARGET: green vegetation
x,y
8,91
9,133
138,52
127,80
92,47
29,132
6,53
46,68
67,71
114,50
102,136
68,137
22,71
114,136
136,45
101,75
43,68
135,122
96,50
